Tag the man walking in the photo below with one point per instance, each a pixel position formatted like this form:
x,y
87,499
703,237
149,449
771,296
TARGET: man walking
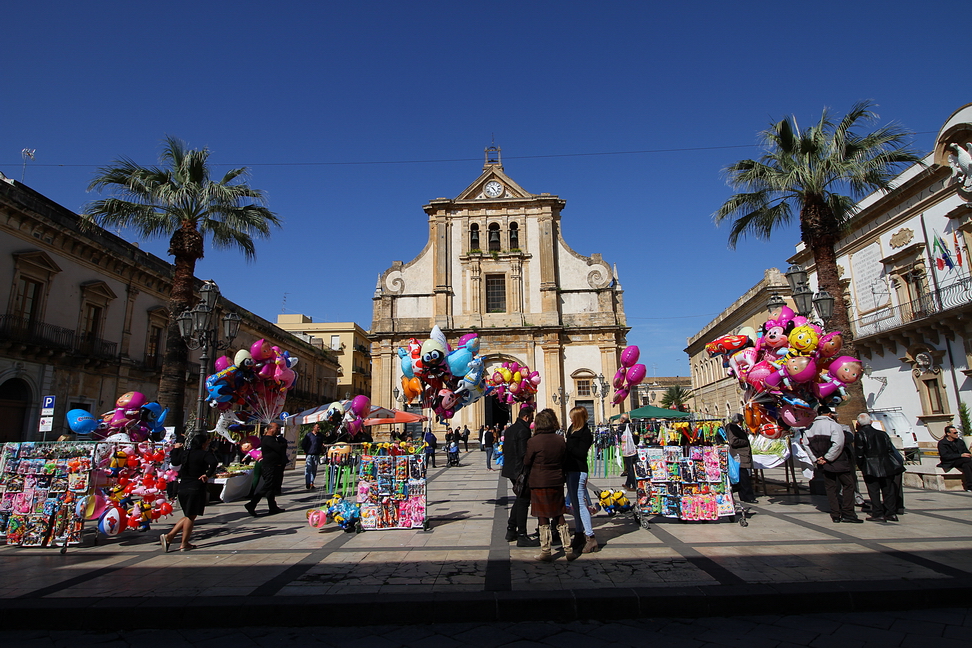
x,y
514,448
430,444
312,444
465,438
488,447
271,467
824,442
874,449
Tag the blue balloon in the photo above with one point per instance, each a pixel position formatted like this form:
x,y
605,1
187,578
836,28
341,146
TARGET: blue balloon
x,y
81,421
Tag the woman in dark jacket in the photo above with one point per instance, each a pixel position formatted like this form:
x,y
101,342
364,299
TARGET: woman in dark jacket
x,y
742,452
544,459
198,465
579,442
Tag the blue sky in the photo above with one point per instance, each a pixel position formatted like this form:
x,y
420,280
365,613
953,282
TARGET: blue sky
x,y
351,116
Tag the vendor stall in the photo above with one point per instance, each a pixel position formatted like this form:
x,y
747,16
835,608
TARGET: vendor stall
x,y
42,492
233,484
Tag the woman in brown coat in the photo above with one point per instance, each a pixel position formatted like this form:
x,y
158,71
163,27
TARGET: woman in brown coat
x,y
544,459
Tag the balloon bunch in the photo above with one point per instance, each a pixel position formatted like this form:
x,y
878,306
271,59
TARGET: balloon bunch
x,y
629,375
134,417
445,379
514,383
134,491
256,380
787,369
348,416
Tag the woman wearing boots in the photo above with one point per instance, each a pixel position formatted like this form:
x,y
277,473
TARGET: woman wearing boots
x,y
544,459
579,441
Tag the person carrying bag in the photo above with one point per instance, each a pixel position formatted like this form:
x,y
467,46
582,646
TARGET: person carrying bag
x,y
880,462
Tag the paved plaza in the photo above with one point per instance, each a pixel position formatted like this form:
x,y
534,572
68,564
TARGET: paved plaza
x,y
276,570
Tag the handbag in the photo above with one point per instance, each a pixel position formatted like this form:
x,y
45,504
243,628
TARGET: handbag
x,y
521,485
897,462
733,465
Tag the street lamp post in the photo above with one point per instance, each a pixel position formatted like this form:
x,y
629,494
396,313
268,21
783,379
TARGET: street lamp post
x,y
561,398
602,385
199,330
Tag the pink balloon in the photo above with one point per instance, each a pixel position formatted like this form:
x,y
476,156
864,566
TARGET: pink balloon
x,y
465,338
619,396
361,405
636,374
619,378
498,378
221,363
261,350
535,378
630,356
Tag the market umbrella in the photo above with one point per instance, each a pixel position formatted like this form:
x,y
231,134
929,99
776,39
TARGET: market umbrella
x,y
312,415
383,415
650,411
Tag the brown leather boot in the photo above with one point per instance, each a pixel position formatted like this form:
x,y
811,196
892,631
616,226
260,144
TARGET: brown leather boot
x,y
591,545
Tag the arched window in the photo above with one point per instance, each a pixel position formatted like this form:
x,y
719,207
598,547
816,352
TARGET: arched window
x,y
474,237
514,236
494,237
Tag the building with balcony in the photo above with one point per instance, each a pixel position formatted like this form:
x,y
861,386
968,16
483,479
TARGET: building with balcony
x,y
346,340
905,268
86,316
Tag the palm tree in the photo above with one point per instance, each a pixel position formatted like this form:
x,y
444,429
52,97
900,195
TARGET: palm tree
x,y
804,172
676,396
180,200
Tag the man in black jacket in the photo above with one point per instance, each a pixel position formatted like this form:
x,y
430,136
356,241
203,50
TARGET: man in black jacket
x,y
514,448
824,441
274,450
873,448
955,454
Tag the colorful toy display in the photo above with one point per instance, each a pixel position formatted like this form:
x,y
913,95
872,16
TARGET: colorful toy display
x,y
131,486
788,368
684,482
42,492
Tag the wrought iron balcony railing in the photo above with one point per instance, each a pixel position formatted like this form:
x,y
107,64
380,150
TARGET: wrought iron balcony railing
x,y
22,329
936,302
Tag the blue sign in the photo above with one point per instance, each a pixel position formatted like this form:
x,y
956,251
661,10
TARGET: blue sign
x,y
48,402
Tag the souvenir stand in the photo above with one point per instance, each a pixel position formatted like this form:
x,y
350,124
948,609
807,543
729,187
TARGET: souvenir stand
x,y
687,478
43,487
372,486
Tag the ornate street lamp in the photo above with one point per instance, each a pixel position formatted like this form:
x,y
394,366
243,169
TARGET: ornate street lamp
x,y
823,303
803,297
198,328
775,303
601,386
562,398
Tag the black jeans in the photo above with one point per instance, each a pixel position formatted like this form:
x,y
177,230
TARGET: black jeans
x,y
965,465
631,481
518,513
269,488
746,485
842,507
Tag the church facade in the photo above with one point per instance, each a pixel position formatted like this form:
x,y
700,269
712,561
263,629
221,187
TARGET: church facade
x,y
496,263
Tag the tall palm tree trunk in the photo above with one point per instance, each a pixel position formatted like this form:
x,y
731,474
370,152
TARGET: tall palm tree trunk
x,y
186,246
828,278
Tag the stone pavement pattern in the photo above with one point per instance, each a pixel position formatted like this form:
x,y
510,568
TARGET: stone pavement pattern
x,y
790,547
914,629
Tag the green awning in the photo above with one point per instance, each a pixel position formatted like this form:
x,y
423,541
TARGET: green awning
x,y
651,412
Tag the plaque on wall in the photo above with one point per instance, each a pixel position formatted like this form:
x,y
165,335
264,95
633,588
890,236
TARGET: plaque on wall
x,y
870,289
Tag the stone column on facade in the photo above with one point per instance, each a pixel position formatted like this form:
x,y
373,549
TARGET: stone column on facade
x,y
553,373
126,340
516,286
476,292
442,284
549,296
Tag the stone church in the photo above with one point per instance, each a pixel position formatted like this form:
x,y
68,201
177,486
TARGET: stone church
x,y
496,263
